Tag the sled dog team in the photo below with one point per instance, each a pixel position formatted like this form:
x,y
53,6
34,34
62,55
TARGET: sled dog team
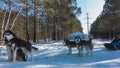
x,y
19,49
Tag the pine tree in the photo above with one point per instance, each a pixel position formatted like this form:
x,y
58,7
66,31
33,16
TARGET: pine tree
x,y
109,20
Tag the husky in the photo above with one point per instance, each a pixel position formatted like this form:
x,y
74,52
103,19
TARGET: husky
x,y
87,44
17,48
72,44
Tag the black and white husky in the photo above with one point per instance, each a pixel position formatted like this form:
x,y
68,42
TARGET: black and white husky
x,y
87,44
17,48
72,44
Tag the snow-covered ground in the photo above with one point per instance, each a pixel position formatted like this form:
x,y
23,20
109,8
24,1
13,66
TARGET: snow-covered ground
x,y
49,56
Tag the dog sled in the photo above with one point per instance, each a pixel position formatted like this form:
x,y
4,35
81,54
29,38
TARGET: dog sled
x,y
114,45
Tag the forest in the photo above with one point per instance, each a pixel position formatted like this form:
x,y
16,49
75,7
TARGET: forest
x,y
108,22
40,19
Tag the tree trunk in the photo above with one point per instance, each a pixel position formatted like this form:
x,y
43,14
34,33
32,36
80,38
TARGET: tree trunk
x,y
26,24
35,20
54,29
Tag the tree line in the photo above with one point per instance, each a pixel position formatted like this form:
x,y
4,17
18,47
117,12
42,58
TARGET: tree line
x,y
108,22
41,19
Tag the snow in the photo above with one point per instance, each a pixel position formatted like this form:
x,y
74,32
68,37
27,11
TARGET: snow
x,y
54,55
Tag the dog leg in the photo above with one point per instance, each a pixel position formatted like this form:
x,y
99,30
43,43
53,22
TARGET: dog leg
x,y
25,53
87,48
26,57
78,47
28,53
81,50
70,51
91,49
31,56
89,52
10,54
14,54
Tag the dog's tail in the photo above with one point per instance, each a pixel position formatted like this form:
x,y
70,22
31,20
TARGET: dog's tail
x,y
34,48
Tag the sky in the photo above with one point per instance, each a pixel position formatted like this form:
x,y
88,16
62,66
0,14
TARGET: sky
x,y
93,7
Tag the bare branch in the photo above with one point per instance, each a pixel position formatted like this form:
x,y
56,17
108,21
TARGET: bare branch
x,y
15,18
3,24
6,27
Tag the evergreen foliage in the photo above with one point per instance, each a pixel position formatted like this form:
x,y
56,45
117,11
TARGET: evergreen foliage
x,y
108,22
40,19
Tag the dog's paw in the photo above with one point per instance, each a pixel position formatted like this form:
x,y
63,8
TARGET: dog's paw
x,y
87,54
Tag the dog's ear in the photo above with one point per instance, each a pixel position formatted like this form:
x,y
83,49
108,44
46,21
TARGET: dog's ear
x,y
13,31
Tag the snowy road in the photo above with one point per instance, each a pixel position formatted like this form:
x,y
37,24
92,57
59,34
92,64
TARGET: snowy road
x,y
56,57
